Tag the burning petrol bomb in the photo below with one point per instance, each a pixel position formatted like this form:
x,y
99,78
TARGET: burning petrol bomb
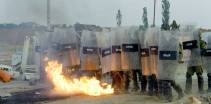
x,y
67,86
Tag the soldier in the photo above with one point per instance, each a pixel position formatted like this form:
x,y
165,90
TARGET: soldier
x,y
144,61
207,57
105,46
195,62
69,47
168,62
130,57
152,42
90,60
116,70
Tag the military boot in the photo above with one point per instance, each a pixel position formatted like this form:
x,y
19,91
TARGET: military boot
x,y
188,86
167,91
160,89
150,85
127,81
143,84
178,89
135,81
200,84
209,82
155,84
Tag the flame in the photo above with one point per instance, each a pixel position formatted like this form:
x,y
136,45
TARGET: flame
x,y
83,85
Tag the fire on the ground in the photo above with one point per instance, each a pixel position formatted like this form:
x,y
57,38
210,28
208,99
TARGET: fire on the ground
x,y
68,86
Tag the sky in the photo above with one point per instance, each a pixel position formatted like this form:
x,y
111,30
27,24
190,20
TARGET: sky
x,y
103,12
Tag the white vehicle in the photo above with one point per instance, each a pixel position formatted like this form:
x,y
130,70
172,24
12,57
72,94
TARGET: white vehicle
x,y
10,70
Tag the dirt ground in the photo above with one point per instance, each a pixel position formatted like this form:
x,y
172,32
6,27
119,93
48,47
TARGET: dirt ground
x,y
131,98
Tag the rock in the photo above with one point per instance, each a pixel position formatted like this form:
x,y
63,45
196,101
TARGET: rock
x,y
193,100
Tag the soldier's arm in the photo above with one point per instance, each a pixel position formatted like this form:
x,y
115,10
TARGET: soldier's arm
x,y
203,46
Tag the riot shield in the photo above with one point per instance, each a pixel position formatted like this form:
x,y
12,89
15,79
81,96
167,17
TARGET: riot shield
x,y
152,41
54,50
207,53
144,54
116,48
104,44
168,55
192,44
130,50
44,43
70,49
89,51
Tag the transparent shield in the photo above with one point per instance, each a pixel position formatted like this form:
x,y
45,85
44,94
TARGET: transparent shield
x,y
89,51
144,54
168,55
116,47
105,46
130,50
207,53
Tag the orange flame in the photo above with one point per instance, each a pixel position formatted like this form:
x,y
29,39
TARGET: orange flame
x,y
83,85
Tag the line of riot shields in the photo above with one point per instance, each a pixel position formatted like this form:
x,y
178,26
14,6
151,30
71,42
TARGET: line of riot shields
x,y
149,58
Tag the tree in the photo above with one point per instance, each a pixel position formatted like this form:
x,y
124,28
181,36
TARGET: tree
x,y
166,16
119,18
145,19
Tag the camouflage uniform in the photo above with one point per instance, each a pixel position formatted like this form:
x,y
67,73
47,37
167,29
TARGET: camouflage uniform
x,y
195,66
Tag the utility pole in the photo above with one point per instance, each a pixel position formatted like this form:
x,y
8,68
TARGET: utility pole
x,y
153,25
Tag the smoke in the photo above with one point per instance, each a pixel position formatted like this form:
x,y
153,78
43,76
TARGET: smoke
x,y
62,11
25,10
102,12
36,11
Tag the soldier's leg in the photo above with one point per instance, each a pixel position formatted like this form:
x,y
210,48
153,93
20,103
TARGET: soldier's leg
x,y
135,80
199,72
139,75
118,82
121,75
139,78
189,74
98,75
113,80
155,84
209,82
177,88
150,85
167,91
160,88
127,80
143,83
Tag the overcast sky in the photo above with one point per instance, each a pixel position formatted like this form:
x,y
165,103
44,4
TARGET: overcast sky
x,y
103,12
